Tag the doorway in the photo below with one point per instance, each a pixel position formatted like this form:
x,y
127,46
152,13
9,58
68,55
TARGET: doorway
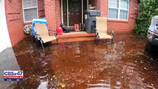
x,y
73,11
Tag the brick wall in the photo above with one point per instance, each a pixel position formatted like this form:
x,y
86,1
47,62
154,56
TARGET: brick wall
x,y
121,26
50,13
41,11
14,20
14,16
104,7
53,15
58,12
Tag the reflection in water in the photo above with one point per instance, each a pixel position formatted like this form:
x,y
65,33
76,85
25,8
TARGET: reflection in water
x,y
87,65
43,83
116,52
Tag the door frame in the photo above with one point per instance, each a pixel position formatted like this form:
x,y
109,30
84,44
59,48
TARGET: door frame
x,y
82,12
6,37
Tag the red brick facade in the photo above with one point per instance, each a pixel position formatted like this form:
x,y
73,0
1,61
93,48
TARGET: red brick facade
x,y
126,26
53,13
115,25
41,10
50,9
14,20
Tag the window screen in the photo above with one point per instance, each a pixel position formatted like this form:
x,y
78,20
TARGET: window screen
x,y
118,9
30,10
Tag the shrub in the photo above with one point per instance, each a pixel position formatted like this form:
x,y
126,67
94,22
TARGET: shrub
x,y
147,9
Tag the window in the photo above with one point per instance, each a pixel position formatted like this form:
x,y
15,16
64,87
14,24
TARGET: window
x,y
118,9
30,10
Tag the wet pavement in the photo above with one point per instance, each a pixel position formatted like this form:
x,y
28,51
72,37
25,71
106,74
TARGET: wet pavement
x,y
87,65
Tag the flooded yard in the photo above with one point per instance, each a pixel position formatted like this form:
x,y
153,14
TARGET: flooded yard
x,y
86,65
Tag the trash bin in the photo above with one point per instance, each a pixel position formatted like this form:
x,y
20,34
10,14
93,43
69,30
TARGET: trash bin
x,y
90,21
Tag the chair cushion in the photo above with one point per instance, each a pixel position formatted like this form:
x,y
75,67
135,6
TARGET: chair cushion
x,y
46,38
104,36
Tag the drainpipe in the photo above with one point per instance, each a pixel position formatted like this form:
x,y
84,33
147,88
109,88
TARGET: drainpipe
x,y
87,4
67,2
82,12
62,21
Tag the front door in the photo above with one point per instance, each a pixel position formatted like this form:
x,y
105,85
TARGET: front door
x,y
72,12
75,12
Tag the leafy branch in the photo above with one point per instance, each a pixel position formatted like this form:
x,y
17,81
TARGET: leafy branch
x,y
147,9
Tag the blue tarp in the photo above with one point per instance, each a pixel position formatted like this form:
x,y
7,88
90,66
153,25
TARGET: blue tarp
x,y
37,21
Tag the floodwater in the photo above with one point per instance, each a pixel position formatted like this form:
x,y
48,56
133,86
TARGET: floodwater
x,y
87,65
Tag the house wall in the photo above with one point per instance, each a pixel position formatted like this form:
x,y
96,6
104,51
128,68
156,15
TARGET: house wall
x,y
14,15
41,11
122,26
50,9
58,12
14,20
54,19
52,14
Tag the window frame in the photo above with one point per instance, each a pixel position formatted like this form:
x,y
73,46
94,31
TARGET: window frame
x,y
28,8
119,10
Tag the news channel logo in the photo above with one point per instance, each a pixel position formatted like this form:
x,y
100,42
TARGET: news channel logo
x,y
12,75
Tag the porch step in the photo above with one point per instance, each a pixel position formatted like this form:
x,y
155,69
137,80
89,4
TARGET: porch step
x,y
76,37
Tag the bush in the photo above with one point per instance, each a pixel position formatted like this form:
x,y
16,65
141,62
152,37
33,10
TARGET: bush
x,y
147,9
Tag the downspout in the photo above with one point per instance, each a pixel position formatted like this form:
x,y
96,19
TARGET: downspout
x,y
82,11
62,21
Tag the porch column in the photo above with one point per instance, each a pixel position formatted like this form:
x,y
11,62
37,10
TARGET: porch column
x,y
103,7
50,14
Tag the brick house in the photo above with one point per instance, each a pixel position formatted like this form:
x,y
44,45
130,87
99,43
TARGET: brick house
x,y
121,14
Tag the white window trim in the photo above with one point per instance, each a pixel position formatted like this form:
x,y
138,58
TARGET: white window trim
x,y
33,7
119,12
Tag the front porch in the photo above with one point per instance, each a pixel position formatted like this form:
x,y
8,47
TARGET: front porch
x,y
70,12
75,37
73,14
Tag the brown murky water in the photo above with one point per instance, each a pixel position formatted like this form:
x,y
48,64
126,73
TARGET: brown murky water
x,y
87,65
